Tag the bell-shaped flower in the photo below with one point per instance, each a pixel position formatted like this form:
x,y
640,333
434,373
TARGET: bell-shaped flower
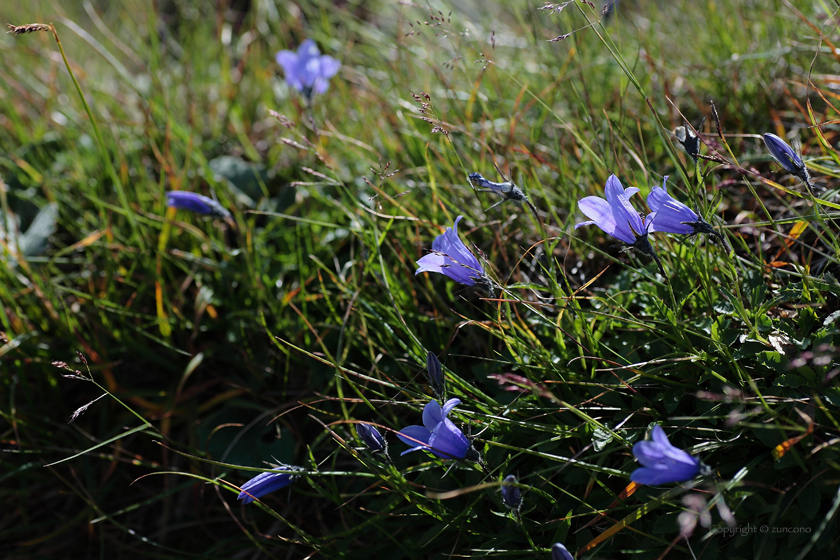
x,y
617,217
197,203
435,373
451,258
672,216
559,552
307,70
784,154
511,494
787,157
662,462
438,434
372,438
267,482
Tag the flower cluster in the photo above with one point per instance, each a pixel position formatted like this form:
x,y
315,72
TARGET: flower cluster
x,y
617,217
308,72
438,434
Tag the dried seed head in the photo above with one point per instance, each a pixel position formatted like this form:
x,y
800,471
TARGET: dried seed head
x,y
28,28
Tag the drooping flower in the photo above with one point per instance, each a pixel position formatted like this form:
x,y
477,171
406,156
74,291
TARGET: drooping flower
x,y
451,258
672,216
559,552
438,434
372,438
662,462
511,494
786,157
267,482
307,70
197,203
617,217
435,373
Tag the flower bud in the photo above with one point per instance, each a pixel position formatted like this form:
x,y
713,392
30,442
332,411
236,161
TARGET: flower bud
x,y
371,436
511,494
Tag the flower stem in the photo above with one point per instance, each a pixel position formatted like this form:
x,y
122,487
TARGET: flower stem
x,y
106,157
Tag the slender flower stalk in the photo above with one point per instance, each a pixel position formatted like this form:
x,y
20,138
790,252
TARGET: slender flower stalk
x,y
787,158
267,482
618,219
439,435
451,258
197,203
662,462
307,70
672,216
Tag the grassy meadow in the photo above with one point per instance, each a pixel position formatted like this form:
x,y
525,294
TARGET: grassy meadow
x,y
153,360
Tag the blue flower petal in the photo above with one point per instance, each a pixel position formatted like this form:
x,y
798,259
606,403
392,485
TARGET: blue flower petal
x,y
307,70
264,483
559,552
662,462
448,441
452,258
626,217
197,203
409,434
432,415
783,153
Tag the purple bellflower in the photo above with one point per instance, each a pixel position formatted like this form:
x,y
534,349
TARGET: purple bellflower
x,y
435,373
438,434
307,70
672,216
618,219
511,494
787,158
372,438
662,462
559,552
451,258
267,482
196,203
